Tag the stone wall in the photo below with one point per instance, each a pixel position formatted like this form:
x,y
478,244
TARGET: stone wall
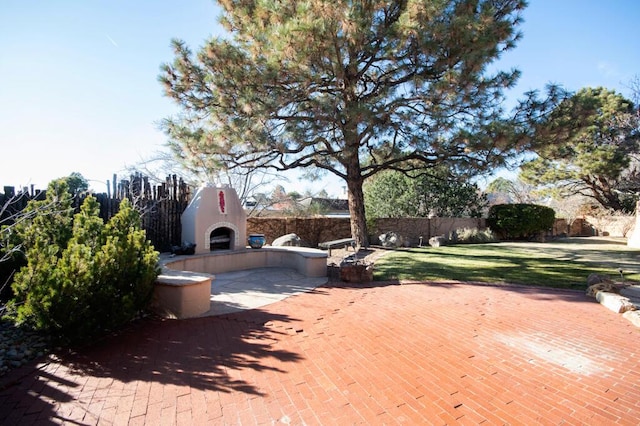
x,y
311,230
614,226
413,229
314,230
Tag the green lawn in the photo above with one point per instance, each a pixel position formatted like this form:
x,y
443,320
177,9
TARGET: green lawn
x,y
564,264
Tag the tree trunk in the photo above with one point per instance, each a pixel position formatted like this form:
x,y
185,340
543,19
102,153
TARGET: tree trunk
x,y
352,163
603,194
356,211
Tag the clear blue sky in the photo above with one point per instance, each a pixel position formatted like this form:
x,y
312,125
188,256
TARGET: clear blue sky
x,y
79,88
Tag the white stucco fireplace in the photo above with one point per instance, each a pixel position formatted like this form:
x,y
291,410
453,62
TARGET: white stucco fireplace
x,y
215,220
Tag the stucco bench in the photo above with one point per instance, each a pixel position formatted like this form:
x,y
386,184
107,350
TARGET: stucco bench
x,y
181,294
183,289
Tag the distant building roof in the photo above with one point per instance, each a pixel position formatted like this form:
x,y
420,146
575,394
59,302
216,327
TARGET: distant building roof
x,y
332,205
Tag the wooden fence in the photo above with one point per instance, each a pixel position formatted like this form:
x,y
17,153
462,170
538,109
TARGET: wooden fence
x,y
160,205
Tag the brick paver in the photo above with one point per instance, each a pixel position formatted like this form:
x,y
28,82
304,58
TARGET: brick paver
x,y
386,354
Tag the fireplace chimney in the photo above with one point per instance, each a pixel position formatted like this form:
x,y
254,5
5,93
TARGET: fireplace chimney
x,y
215,220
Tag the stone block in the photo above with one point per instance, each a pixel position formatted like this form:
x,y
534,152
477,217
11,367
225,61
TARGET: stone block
x,y
288,240
614,302
391,239
359,273
633,317
181,294
437,241
635,302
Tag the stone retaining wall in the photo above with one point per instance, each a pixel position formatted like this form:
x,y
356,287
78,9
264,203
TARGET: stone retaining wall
x,y
412,229
311,230
183,288
314,230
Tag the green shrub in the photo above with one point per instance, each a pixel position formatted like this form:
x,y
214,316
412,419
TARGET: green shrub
x,y
475,236
520,221
80,287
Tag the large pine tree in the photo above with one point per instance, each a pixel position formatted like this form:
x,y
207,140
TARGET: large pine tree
x,y
586,146
348,87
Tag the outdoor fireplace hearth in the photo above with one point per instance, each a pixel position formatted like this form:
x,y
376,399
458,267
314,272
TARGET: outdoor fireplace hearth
x,y
215,220
220,239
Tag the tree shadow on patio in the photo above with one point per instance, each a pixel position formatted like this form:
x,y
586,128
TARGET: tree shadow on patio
x,y
203,353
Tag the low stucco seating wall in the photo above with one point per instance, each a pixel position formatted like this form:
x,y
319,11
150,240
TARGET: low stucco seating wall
x,y
309,262
183,288
181,294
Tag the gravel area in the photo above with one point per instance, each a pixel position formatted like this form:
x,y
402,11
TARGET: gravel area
x,y
338,256
368,255
19,346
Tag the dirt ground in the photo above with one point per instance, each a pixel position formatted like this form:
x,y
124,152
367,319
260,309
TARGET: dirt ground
x,y
368,255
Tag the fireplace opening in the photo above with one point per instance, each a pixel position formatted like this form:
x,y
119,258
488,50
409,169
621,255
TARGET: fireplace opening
x,y
220,239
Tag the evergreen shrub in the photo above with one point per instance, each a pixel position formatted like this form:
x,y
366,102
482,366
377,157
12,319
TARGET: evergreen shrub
x,y
520,221
83,277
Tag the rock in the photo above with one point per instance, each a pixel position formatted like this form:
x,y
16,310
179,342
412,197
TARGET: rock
x,y
597,283
185,248
592,290
437,241
12,354
391,239
18,346
288,240
635,302
614,302
593,279
356,273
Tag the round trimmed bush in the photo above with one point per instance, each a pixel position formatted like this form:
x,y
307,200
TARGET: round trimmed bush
x,y
520,221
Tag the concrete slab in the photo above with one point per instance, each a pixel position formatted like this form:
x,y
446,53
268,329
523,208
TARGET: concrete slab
x,y
254,288
633,317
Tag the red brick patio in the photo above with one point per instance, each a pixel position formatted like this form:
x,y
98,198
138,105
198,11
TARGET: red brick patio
x,y
386,354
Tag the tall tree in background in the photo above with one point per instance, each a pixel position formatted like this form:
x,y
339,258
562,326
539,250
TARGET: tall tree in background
x,y
347,87
585,146
630,179
505,191
395,194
